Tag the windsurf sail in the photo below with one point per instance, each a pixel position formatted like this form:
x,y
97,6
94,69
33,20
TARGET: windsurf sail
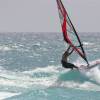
x,y
69,33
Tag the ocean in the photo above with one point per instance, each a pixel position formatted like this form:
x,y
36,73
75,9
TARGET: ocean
x,y
30,68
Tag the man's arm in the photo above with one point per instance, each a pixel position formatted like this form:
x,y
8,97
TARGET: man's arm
x,y
71,51
65,55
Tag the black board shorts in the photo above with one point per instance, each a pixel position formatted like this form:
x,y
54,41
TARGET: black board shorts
x,y
68,65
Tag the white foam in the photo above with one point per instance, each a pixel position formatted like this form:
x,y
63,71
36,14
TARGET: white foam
x,y
37,44
89,86
88,43
15,79
94,74
25,79
4,95
83,86
48,69
5,48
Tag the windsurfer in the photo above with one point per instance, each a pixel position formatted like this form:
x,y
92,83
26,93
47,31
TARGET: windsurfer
x,y
64,60
65,63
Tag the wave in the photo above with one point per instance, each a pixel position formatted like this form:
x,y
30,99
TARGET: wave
x,y
4,95
17,47
51,76
79,80
5,48
88,43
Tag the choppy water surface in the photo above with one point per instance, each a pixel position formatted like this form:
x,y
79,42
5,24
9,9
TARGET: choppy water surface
x,y
30,68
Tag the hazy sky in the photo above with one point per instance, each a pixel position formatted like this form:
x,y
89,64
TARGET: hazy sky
x,y
42,15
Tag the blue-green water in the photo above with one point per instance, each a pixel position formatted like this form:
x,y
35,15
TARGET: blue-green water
x,y
30,68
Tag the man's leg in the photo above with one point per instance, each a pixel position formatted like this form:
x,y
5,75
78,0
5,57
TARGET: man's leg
x,y
76,67
73,66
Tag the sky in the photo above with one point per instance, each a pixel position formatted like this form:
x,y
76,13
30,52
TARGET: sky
x,y
42,15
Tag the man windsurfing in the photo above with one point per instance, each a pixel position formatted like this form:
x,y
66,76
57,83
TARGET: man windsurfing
x,y
71,37
64,60
66,64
